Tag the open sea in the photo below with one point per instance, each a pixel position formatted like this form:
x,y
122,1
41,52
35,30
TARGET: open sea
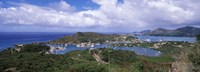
x,y
8,39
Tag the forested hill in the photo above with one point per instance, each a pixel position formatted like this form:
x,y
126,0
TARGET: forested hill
x,y
92,37
187,31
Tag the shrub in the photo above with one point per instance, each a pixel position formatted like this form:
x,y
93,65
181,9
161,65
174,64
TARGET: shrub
x,y
198,38
34,48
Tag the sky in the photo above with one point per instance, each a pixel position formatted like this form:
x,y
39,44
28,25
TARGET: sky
x,y
97,15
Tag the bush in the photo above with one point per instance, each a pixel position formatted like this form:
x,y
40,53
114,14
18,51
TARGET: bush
x,y
136,67
122,58
34,48
194,57
198,38
89,67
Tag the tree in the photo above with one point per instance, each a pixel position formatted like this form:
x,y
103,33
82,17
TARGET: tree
x,y
34,48
198,38
137,67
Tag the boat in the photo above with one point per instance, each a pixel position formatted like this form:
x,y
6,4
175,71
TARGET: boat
x,y
78,45
148,40
97,43
65,45
92,45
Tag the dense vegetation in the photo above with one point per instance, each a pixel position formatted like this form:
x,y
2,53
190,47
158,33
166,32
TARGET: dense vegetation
x,y
119,61
176,57
85,37
183,56
190,57
81,37
198,37
194,58
34,60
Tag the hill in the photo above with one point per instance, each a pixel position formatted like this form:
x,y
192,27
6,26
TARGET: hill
x,y
92,37
187,31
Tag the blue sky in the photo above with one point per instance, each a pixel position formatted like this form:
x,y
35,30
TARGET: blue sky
x,y
79,4
96,15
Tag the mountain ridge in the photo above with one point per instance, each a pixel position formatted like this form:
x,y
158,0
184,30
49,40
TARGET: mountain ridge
x,y
187,31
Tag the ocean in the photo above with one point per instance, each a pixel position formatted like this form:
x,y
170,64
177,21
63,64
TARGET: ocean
x,y
9,39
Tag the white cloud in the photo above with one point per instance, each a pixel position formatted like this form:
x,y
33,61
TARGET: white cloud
x,y
143,13
130,14
62,6
31,14
171,11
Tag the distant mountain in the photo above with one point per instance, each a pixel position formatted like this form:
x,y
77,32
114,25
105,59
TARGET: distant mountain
x,y
187,31
145,32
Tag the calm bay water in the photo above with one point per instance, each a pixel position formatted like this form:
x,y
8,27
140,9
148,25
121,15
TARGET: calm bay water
x,y
165,38
137,50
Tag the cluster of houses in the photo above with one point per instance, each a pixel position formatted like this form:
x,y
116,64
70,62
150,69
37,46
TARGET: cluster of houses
x,y
86,45
60,47
123,39
158,45
18,47
56,47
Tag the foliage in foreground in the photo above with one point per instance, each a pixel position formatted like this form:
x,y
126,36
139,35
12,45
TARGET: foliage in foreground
x,y
198,37
32,58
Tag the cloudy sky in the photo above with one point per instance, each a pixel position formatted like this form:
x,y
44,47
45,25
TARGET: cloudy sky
x,y
96,15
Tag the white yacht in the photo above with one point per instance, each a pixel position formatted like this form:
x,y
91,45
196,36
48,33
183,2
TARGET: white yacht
x,y
97,43
78,45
